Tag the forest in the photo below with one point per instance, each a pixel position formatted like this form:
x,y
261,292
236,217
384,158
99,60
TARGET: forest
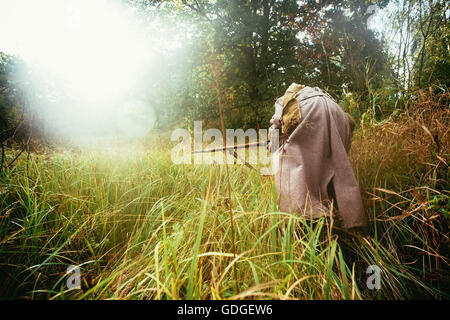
x,y
91,93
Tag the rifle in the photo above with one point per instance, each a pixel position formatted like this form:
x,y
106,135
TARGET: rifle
x,y
239,146
232,150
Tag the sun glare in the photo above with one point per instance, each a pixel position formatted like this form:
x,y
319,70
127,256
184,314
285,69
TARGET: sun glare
x,y
92,50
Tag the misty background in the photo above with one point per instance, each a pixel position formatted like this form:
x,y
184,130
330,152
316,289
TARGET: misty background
x,y
85,69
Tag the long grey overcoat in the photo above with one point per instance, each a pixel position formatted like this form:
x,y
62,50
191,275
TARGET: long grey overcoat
x,y
311,165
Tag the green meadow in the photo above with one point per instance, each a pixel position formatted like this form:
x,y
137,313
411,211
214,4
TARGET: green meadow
x,y
141,227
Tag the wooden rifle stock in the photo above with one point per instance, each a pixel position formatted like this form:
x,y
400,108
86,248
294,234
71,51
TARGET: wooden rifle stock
x,y
239,146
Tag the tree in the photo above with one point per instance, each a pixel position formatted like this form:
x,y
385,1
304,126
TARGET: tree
x,y
431,44
11,97
267,44
421,43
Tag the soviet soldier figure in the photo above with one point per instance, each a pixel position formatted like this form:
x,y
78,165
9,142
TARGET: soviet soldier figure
x,y
312,171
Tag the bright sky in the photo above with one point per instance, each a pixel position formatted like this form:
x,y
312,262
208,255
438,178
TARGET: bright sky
x,y
93,49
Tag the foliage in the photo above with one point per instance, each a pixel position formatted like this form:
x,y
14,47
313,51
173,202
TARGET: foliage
x,y
142,227
420,40
266,45
9,96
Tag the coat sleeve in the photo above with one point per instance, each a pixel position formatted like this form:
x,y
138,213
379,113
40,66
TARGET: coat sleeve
x,y
275,127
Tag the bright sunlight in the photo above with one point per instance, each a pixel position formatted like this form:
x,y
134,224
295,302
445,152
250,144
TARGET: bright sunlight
x,y
91,54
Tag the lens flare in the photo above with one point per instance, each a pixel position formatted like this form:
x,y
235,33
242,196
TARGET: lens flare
x,y
94,51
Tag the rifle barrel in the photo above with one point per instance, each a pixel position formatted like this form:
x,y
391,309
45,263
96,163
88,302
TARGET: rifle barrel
x,y
239,146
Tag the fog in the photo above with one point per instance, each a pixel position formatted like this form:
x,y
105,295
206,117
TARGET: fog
x,y
88,63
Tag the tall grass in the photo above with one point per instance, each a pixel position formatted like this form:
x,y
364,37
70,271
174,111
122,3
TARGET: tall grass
x,y
141,227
